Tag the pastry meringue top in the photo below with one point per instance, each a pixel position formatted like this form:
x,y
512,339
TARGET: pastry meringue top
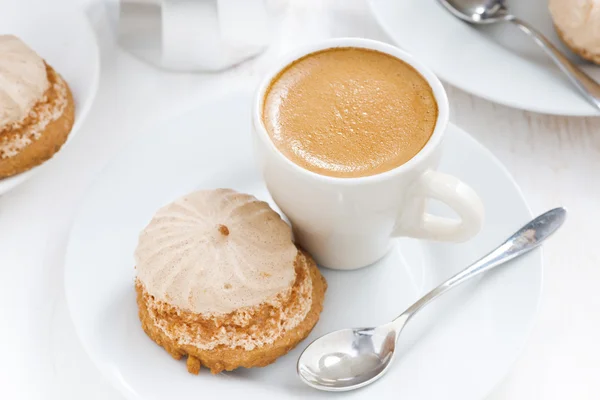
x,y
23,80
579,21
214,251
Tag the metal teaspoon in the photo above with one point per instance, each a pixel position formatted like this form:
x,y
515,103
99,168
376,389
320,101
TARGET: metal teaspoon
x,y
352,358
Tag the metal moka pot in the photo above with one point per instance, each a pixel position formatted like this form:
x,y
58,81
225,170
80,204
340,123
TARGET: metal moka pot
x,y
193,35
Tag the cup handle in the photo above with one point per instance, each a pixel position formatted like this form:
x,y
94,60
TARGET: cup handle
x,y
458,196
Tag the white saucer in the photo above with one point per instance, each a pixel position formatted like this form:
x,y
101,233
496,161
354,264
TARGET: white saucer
x,y
62,35
498,63
459,349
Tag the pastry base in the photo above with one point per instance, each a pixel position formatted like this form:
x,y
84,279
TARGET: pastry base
x,y
50,141
227,358
583,53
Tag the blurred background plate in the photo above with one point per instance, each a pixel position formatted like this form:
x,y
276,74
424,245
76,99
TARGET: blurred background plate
x,y
60,33
497,63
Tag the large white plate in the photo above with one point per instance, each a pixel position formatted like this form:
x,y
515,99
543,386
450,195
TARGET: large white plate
x,y
60,33
458,350
498,62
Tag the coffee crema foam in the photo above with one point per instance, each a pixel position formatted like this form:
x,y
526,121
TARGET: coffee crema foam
x,y
349,112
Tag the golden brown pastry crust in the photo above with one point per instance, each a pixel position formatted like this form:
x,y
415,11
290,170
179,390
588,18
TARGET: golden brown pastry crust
x,y
227,358
583,53
51,139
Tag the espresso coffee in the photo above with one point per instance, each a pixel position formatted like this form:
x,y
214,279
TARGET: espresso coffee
x,y
349,112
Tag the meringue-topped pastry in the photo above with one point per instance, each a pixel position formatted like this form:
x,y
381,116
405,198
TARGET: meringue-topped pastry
x,y
232,251
577,23
36,108
219,279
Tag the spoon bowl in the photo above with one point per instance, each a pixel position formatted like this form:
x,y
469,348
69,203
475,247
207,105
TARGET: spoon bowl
x,y
348,359
352,358
478,11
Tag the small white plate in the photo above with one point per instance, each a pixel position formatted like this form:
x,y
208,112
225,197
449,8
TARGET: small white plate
x,y
498,63
459,349
62,35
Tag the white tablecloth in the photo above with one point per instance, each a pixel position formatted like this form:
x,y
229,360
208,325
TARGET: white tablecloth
x,y
556,160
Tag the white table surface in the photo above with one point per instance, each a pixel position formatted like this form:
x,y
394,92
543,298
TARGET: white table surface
x,y
556,160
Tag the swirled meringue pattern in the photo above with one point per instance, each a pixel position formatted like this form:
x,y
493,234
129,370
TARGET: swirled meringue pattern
x,y
215,251
23,80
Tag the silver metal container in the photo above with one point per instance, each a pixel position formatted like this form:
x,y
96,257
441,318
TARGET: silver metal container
x,y
193,35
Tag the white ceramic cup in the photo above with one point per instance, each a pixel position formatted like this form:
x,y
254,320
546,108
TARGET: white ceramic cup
x,y
347,223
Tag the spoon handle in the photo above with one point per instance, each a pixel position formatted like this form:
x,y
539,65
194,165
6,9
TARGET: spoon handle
x,y
586,85
523,241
